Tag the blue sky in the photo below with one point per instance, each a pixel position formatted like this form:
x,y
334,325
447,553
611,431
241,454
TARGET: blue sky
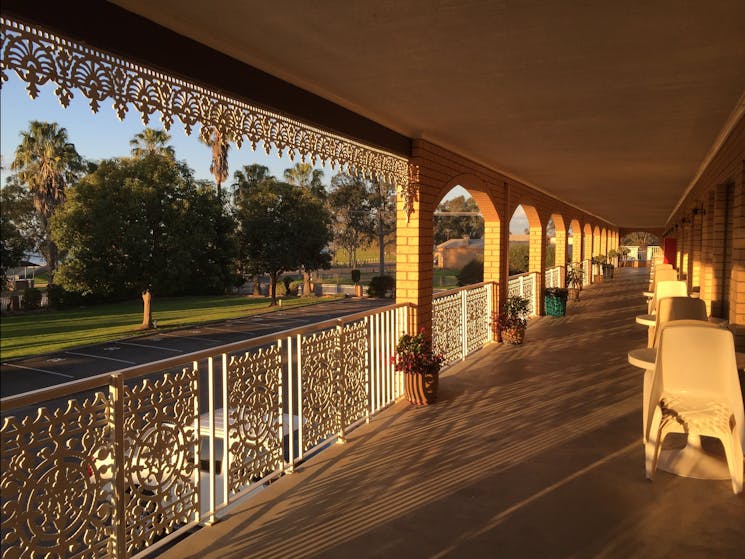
x,y
102,135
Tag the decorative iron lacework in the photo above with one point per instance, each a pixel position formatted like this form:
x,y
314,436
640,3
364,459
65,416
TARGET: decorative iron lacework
x,y
39,57
354,358
322,392
56,470
160,456
447,322
254,416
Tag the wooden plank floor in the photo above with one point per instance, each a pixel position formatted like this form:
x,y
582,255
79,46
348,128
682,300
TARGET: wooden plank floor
x,y
531,451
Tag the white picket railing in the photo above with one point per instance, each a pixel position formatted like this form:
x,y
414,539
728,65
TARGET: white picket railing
x,y
461,320
125,462
525,285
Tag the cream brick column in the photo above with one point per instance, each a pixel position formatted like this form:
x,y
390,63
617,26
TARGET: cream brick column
x,y
561,243
718,243
414,265
694,259
537,259
707,267
737,278
587,242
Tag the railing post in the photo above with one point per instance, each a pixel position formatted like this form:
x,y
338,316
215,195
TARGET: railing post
x,y
341,372
116,392
489,310
290,407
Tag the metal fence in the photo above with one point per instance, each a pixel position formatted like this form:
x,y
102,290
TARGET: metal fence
x,y
461,320
122,463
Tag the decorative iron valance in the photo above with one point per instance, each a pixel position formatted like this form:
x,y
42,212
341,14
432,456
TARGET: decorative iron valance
x,y
39,57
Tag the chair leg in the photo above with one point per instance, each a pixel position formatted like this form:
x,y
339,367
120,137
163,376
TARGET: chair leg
x,y
733,450
652,446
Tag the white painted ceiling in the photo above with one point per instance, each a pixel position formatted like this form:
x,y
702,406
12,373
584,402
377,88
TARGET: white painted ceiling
x,y
611,106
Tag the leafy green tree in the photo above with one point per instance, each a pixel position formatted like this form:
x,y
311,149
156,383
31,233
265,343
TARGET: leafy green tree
x,y
143,225
457,226
305,176
519,258
151,141
46,162
12,247
219,143
383,203
354,226
17,207
282,227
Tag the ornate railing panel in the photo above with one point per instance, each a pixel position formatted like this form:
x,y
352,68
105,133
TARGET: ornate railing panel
x,y
525,285
478,318
320,405
112,474
254,416
554,277
56,470
461,321
354,379
447,326
160,456
586,273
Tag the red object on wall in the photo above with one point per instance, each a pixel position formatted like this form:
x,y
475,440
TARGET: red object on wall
x,y
670,247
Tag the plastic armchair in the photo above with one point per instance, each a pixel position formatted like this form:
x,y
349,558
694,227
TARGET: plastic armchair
x,y
655,270
669,309
667,288
695,390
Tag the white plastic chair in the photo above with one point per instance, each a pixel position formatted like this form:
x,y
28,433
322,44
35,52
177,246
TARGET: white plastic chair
x,y
669,309
667,288
658,267
695,390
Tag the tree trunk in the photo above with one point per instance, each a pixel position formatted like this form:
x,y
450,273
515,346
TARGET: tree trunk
x,y
381,245
273,288
257,285
147,312
306,283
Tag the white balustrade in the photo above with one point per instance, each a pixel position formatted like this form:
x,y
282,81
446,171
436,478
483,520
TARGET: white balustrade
x,y
123,463
525,285
461,320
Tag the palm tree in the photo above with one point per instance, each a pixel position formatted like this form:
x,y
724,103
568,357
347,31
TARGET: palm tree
x,y
220,144
46,162
151,141
303,174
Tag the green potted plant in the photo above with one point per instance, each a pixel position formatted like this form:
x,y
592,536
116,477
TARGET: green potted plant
x,y
575,273
510,323
597,262
419,363
608,267
356,275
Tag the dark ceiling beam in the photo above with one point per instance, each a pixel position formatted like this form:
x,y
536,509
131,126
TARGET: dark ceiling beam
x,y
110,28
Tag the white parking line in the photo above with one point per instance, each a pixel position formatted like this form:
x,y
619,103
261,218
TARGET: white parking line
x,y
38,370
175,335
152,347
100,357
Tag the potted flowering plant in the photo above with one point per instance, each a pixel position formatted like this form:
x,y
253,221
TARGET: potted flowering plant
x,y
421,367
510,323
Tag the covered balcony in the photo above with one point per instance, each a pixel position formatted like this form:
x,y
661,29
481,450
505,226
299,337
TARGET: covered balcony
x,y
604,120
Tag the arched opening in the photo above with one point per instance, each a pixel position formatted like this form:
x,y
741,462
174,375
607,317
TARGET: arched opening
x,y
596,241
574,242
458,232
604,243
519,243
639,248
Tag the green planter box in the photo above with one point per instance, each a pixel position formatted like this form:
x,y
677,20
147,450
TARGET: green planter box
x,y
555,301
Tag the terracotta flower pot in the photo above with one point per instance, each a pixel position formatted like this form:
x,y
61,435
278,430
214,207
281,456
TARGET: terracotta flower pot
x,y
421,390
514,336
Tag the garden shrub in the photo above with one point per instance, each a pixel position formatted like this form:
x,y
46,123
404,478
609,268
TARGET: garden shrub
x,y
380,285
473,272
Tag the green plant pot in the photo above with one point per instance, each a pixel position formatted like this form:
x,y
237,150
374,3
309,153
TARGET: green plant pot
x,y
555,306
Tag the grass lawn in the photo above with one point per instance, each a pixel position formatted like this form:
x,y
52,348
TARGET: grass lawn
x,y
44,332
